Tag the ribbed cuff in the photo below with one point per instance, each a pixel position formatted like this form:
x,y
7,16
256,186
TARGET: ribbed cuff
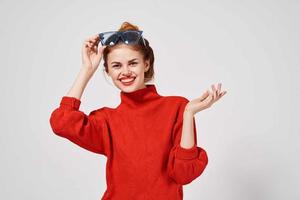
x,y
187,154
70,102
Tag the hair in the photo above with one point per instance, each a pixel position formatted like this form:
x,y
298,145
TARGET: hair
x,y
146,51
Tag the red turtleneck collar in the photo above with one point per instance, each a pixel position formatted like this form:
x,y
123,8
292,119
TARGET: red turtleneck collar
x,y
139,96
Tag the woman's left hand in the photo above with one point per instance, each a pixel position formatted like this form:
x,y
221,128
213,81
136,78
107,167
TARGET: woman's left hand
x,y
205,100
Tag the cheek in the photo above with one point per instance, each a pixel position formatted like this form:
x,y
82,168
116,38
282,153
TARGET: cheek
x,y
114,74
140,70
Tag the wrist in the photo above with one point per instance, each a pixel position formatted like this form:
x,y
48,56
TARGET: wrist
x,y
86,71
188,113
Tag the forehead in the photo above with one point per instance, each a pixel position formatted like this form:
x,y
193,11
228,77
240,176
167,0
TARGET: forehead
x,y
123,53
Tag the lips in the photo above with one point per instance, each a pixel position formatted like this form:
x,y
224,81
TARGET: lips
x,y
127,80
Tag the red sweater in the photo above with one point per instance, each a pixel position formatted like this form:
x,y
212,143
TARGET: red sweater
x,y
141,140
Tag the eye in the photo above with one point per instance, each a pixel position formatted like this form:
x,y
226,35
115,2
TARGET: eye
x,y
134,63
114,66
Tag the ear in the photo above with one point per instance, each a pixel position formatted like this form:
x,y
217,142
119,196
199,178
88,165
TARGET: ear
x,y
147,65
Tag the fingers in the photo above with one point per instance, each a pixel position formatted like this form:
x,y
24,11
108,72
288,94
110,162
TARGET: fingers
x,y
220,94
223,93
101,49
93,38
204,95
92,43
219,88
215,94
209,97
208,100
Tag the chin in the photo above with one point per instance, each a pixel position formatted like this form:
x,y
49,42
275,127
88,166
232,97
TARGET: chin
x,y
124,88
127,89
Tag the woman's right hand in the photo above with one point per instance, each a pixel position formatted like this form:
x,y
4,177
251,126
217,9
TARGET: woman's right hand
x,y
91,55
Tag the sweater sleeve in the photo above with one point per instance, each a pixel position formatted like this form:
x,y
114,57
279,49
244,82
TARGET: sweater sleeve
x,y
185,165
88,131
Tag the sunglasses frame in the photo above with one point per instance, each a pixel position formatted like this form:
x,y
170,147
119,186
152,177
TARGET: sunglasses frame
x,y
121,35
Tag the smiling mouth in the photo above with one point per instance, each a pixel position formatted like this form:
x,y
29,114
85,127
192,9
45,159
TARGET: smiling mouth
x,y
127,81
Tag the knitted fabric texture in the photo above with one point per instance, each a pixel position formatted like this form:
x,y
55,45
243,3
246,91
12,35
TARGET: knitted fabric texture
x,y
141,141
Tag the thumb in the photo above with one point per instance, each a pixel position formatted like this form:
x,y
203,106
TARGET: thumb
x,y
204,95
100,52
101,49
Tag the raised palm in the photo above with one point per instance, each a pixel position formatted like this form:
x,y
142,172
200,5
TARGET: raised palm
x,y
207,99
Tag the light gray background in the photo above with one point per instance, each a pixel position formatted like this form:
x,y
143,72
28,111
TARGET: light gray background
x,y
251,134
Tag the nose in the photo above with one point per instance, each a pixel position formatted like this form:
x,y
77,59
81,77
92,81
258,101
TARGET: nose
x,y
126,71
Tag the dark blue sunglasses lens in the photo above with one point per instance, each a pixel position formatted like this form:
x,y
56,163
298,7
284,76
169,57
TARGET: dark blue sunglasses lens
x,y
112,38
131,37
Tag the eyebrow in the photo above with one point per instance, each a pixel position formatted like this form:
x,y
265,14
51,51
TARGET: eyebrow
x,y
128,61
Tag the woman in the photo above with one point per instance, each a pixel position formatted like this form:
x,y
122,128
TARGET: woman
x,y
149,140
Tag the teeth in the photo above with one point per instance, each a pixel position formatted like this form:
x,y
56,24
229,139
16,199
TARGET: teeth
x,y
127,80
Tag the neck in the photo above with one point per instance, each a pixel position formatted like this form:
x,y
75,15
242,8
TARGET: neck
x,y
139,96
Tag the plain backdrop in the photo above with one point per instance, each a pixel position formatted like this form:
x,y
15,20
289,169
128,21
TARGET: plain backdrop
x,y
251,134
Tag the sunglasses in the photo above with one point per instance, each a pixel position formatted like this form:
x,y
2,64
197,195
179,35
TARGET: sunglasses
x,y
111,38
